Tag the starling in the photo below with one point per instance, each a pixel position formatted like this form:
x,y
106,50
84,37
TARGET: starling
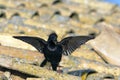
x,y
52,49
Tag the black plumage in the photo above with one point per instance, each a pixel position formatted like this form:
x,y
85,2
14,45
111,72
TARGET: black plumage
x,y
52,49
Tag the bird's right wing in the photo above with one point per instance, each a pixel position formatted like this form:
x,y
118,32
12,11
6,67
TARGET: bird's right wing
x,y
72,43
38,43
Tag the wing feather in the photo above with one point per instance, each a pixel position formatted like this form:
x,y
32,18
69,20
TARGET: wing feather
x,y
70,44
38,43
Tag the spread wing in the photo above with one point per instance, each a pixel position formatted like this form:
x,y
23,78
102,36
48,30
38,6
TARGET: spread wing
x,y
72,43
38,43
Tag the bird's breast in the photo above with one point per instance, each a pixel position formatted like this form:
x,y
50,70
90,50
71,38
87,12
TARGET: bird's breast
x,y
52,48
53,54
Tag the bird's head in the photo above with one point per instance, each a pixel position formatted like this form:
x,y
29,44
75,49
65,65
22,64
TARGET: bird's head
x,y
53,38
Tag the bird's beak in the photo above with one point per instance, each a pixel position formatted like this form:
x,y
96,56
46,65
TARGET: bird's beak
x,y
54,42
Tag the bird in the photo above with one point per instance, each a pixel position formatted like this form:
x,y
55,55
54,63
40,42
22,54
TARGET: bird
x,y
54,49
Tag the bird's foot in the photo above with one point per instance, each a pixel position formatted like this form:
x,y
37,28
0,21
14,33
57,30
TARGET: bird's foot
x,y
59,70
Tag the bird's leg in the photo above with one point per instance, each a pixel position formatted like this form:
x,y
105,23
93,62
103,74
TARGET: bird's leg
x,y
54,66
43,63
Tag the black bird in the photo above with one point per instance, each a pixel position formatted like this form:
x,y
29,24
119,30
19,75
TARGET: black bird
x,y
52,49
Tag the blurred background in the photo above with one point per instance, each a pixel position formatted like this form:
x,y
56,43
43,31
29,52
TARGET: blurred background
x,y
113,1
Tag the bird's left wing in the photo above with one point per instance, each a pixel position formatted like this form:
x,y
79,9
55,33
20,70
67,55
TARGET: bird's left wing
x,y
70,44
38,43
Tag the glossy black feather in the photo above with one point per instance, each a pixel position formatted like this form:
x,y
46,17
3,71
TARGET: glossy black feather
x,y
38,43
53,49
72,43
